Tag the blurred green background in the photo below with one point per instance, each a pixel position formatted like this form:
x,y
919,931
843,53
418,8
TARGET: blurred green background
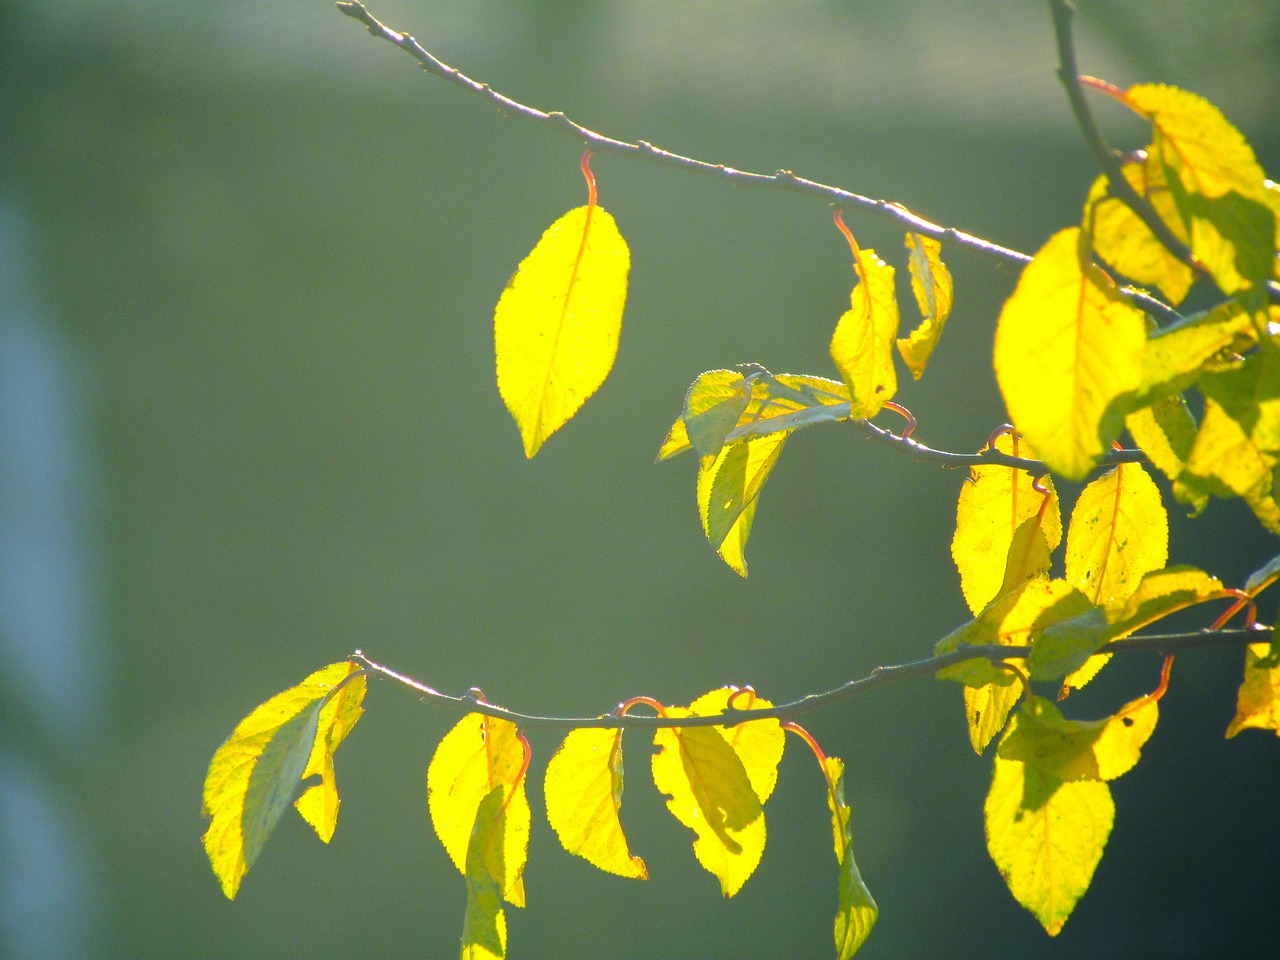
x,y
248,261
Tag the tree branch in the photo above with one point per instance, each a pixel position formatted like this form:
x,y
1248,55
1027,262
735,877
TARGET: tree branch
x,y
473,702
780,179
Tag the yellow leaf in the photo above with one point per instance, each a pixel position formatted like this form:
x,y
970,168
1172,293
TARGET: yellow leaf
x,y
484,928
319,803
1166,431
583,790
862,345
931,284
1046,837
994,502
1126,243
758,743
1079,749
1067,346
1119,532
478,755
727,490
710,792
257,771
857,911
557,323
1160,593
1215,181
1258,702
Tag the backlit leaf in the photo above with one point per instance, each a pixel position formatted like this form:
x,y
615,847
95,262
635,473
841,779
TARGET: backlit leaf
x,y
994,502
931,284
1175,358
1046,837
758,743
259,769
1166,431
1041,737
862,345
713,407
1160,593
1119,532
1263,577
1258,702
1067,346
557,323
478,755
710,792
583,789
319,803
728,487
857,912
484,928
1126,243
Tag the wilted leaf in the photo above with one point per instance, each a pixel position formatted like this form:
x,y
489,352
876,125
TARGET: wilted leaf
x,y
931,284
583,789
1046,837
1067,346
557,323
710,792
994,503
260,767
478,755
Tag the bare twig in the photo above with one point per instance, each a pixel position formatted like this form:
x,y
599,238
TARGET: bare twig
x,y
780,179
472,702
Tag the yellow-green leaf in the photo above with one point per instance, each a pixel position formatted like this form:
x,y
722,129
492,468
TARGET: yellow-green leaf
x,y
319,803
1046,837
484,927
759,744
713,407
1166,431
1160,593
931,284
728,487
1126,243
994,503
479,754
557,323
710,792
583,790
258,770
862,345
1067,346
857,912
1258,702
1079,749
1175,358
1263,577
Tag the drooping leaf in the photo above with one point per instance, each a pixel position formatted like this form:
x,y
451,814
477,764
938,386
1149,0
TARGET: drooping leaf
x,y
484,927
931,284
260,767
583,789
994,503
1046,837
1119,532
1067,346
319,802
1258,702
857,912
710,792
862,345
557,323
759,744
1126,243
728,488
712,408
478,755
1041,737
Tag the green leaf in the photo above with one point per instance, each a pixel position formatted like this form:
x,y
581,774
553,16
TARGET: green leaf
x,y
484,927
1263,577
256,773
728,487
1046,837
857,912
557,323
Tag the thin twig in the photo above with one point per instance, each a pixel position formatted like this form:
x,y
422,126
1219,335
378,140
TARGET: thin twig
x,y
780,179
472,702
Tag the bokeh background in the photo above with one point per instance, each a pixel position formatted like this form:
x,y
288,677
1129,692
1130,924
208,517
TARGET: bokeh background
x,y
248,261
